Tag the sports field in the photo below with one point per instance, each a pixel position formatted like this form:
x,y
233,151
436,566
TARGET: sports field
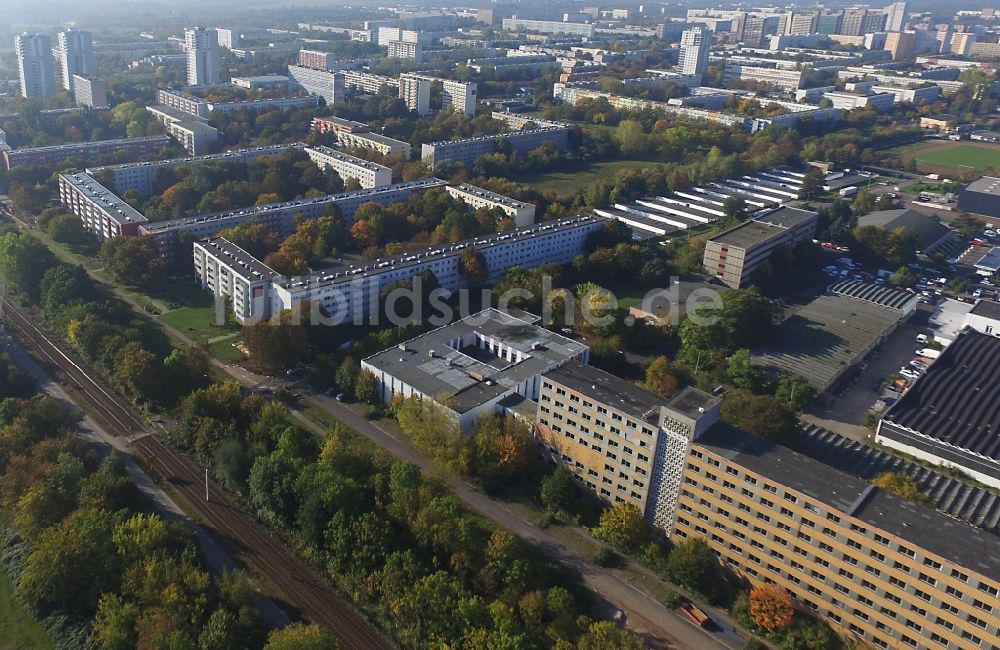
x,y
950,157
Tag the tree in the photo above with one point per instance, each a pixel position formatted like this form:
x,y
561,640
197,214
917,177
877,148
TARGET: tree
x,y
903,277
623,526
735,209
300,636
24,261
472,267
692,564
68,229
133,260
812,185
603,635
558,491
760,415
274,346
367,389
347,373
795,391
771,607
631,138
659,380
741,371
501,449
969,225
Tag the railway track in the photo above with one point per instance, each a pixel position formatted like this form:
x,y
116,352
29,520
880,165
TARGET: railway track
x,y
269,557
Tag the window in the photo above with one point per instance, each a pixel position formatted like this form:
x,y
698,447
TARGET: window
x,y
919,610
931,563
940,622
881,539
787,512
766,502
975,620
770,488
894,598
969,636
923,595
825,547
955,573
923,577
728,485
908,641
992,591
907,552
981,605
878,556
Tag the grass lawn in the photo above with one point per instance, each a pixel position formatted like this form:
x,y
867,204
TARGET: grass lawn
x,y
223,349
966,156
568,181
20,631
197,322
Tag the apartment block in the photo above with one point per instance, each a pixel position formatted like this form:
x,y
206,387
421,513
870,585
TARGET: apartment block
x,y
202,48
261,81
734,254
90,91
516,24
75,51
623,443
226,270
86,151
467,150
34,65
849,101
367,82
695,46
779,78
376,141
328,85
100,210
405,50
197,138
337,125
368,174
415,91
884,571
317,60
522,213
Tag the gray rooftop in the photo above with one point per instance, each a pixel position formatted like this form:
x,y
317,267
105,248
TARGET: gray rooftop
x,y
490,196
468,377
986,185
763,228
605,388
242,262
343,157
920,525
987,309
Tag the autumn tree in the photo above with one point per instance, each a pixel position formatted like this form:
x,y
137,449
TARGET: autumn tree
x,y
761,415
273,345
659,379
558,491
771,607
622,525
692,564
301,636
472,267
133,260
366,388
501,449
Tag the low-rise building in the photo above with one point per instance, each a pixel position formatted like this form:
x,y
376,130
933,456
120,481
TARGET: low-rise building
x,y
779,78
472,365
984,317
916,95
376,141
522,213
849,101
516,24
929,234
260,82
949,416
733,255
333,124
940,122
367,173
467,150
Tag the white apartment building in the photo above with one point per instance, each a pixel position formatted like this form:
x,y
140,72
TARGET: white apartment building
x,y
786,79
383,144
327,84
226,270
34,65
100,210
695,44
467,150
386,35
202,48
914,95
368,174
522,213
197,138
849,101
228,38
415,91
367,82
516,24
90,92
76,55
347,292
405,50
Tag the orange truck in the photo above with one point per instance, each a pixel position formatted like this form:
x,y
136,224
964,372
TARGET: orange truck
x,y
698,617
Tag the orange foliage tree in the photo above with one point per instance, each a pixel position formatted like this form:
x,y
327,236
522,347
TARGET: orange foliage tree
x,y
771,607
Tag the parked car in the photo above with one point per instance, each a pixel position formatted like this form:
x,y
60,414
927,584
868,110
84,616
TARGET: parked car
x,y
921,338
909,373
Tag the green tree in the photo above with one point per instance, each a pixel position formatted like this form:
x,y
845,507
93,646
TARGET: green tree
x,y
903,277
133,260
367,389
274,346
347,375
623,526
632,139
558,491
795,391
24,261
741,371
735,209
472,267
812,185
301,636
692,564
761,415
659,379
603,635
969,225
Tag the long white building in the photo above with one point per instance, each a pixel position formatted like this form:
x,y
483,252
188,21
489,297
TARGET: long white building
x,y
522,213
368,174
347,293
327,84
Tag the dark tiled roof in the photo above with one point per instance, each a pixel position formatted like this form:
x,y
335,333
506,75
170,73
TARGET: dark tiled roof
x,y
926,229
987,309
956,401
873,293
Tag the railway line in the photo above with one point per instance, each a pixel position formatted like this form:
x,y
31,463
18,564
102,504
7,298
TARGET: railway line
x,y
272,559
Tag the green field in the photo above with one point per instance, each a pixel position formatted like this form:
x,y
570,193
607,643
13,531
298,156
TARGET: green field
x,y
197,322
568,181
20,631
966,156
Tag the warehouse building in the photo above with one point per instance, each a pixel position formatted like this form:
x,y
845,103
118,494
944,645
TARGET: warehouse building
x,y
733,255
981,197
931,236
949,416
470,366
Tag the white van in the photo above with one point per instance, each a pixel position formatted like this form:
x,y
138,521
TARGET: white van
x,y
928,353
921,338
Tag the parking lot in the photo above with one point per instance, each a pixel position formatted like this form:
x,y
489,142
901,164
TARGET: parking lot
x,y
845,414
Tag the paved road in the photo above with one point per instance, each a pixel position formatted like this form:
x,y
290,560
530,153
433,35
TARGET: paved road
x,y
92,431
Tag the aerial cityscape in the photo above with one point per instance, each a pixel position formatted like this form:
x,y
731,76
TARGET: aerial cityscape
x,y
499,325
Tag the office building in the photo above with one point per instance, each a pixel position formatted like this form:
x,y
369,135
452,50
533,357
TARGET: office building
x,y
756,29
90,91
734,254
916,95
76,55
516,24
471,366
829,23
883,571
347,292
620,441
405,50
858,22
415,91
695,45
777,77
367,174
895,17
522,214
317,60
34,65
324,83
467,150
86,151
202,49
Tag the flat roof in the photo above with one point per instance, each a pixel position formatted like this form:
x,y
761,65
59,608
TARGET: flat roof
x,y
175,113
761,228
119,210
472,376
824,336
489,196
927,230
274,78
929,529
252,268
986,309
236,154
195,126
347,158
91,145
985,185
340,120
955,401
609,389
376,137
990,261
